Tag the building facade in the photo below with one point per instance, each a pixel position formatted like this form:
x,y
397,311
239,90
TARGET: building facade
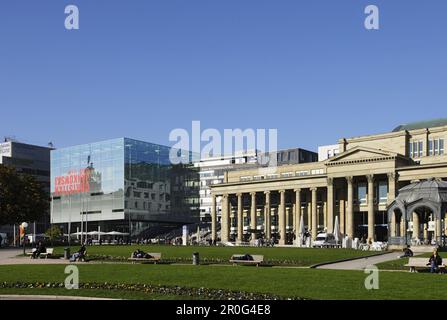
x,y
357,186
328,151
33,160
212,171
121,185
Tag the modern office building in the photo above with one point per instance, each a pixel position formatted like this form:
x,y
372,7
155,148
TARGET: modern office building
x,y
33,160
212,170
328,151
359,186
122,185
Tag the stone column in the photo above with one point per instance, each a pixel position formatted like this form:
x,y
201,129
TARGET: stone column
x,y
282,217
438,230
392,225
297,211
341,208
391,187
267,217
330,204
350,209
240,218
309,214
415,225
425,231
253,215
371,213
403,227
213,218
225,225
314,213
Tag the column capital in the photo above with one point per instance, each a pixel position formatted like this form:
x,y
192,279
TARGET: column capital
x,y
253,193
225,195
350,179
392,176
267,192
282,191
313,189
239,194
297,190
370,178
330,181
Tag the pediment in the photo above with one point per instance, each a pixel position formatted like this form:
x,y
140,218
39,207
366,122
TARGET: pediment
x,y
361,154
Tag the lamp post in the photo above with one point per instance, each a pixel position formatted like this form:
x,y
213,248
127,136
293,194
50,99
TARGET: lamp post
x,y
24,226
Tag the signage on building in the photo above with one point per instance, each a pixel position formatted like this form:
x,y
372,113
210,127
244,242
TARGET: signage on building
x,y
73,182
5,149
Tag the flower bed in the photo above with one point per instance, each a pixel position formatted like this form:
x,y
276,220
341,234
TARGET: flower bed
x,y
199,293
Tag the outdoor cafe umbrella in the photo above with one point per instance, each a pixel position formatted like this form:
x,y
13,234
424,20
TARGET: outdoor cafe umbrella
x,y
336,232
116,233
96,233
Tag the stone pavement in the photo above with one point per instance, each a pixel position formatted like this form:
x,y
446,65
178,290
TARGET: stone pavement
x,y
10,256
361,264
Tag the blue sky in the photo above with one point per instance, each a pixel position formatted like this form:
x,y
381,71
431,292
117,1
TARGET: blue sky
x,y
142,68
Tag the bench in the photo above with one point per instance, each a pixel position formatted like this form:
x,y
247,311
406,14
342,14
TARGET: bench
x,y
421,263
49,252
257,260
156,257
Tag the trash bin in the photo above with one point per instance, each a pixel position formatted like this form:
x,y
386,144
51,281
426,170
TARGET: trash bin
x,y
195,258
66,253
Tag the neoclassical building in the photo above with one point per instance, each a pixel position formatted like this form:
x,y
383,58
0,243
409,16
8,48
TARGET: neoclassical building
x,y
358,185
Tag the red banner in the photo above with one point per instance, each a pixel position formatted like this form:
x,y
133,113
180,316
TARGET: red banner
x,y
73,182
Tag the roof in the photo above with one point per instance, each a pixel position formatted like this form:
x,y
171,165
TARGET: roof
x,y
422,124
431,189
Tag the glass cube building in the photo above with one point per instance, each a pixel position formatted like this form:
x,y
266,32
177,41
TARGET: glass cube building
x,y
122,185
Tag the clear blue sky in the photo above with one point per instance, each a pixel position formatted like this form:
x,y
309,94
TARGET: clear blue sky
x,y
142,68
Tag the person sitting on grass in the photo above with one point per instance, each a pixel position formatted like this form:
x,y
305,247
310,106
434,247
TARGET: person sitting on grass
x,y
407,252
435,261
39,250
80,255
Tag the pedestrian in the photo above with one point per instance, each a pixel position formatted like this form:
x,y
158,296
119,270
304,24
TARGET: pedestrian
x,y
435,261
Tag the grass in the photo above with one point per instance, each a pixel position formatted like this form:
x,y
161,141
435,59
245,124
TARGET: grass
x,y
285,282
399,263
277,255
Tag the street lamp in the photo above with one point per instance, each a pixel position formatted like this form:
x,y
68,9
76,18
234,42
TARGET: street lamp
x,y
24,226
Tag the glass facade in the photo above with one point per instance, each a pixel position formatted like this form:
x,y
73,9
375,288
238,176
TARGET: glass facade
x,y
121,184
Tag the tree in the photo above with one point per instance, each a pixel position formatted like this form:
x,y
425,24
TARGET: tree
x,y
53,233
22,198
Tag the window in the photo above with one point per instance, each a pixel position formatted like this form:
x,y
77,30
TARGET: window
x,y
436,147
415,149
383,191
361,189
287,174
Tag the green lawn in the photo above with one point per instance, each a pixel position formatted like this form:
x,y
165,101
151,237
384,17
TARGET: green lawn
x,y
399,264
291,256
285,282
